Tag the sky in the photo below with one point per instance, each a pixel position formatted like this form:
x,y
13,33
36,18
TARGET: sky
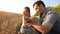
x,y
16,6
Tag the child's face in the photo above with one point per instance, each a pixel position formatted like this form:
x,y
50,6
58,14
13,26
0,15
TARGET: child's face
x,y
26,13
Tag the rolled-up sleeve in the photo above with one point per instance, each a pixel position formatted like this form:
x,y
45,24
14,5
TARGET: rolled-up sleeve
x,y
50,20
51,17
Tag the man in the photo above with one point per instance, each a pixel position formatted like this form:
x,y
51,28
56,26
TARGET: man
x,y
48,19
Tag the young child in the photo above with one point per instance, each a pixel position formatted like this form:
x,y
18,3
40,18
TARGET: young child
x,y
26,28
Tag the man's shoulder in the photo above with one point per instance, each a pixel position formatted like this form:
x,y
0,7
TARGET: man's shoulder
x,y
51,12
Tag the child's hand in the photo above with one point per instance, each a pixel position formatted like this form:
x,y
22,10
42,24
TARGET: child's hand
x,y
27,25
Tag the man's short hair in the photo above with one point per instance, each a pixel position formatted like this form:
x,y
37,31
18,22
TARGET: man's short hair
x,y
38,3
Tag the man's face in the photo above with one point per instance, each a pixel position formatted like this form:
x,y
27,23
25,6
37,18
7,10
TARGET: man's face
x,y
39,8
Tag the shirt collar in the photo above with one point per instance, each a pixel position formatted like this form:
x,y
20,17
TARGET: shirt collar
x,y
45,12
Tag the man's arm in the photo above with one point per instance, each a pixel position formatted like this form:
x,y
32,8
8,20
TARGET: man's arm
x,y
47,24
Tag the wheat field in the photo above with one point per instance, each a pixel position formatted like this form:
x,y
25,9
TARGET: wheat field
x,y
9,22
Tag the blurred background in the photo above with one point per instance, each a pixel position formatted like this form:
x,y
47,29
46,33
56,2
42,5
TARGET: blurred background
x,y
16,6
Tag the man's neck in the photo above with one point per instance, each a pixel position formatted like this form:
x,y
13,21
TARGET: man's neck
x,y
42,13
